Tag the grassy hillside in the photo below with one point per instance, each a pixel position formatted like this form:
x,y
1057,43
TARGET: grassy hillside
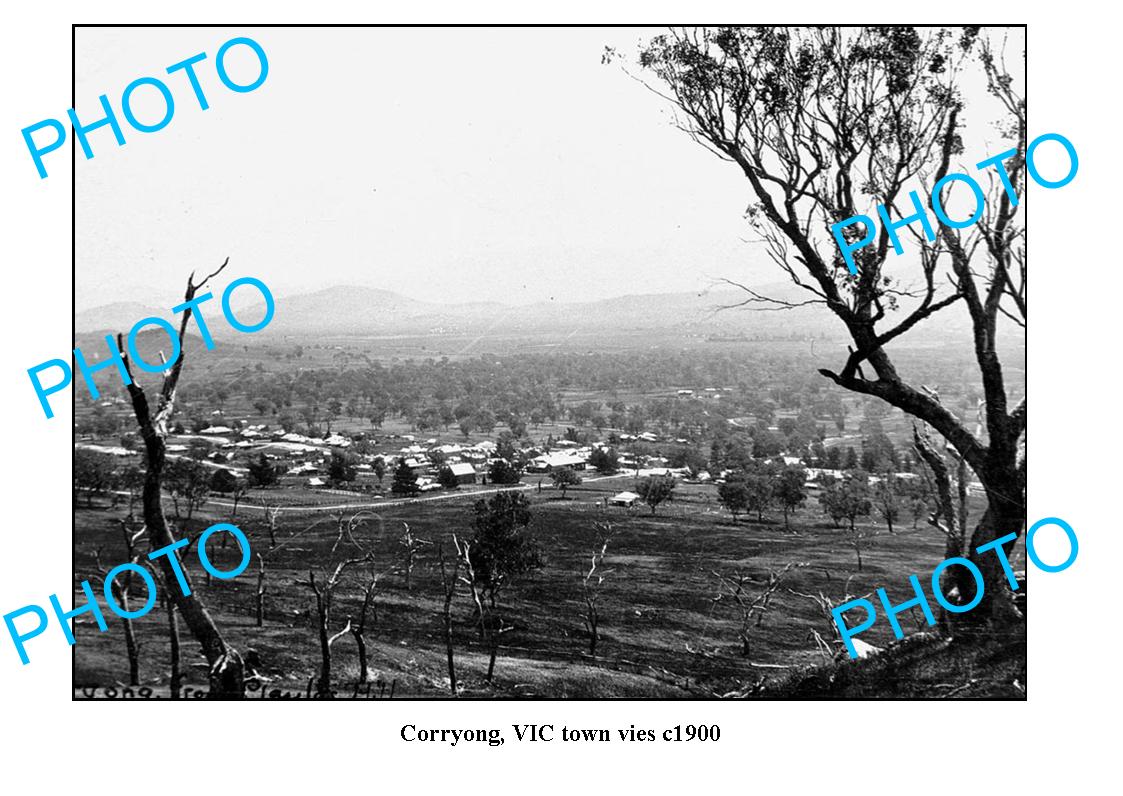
x,y
663,633
922,666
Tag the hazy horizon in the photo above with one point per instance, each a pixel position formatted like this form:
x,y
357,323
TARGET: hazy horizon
x,y
447,165
173,295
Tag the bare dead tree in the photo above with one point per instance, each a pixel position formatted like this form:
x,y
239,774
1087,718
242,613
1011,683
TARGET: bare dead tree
x,y
591,583
489,630
121,588
260,590
226,673
826,123
856,537
324,593
412,546
346,527
358,630
270,514
735,588
833,648
463,552
448,584
241,489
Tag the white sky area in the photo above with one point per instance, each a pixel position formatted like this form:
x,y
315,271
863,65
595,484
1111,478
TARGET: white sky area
x,y
445,164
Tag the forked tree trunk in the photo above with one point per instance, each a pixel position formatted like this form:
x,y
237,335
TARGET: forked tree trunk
x,y
359,630
226,675
1005,514
226,668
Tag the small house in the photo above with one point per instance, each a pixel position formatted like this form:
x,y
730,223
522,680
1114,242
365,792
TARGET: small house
x,y
625,499
464,472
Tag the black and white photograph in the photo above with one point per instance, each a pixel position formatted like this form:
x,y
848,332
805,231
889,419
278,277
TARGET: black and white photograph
x,y
552,363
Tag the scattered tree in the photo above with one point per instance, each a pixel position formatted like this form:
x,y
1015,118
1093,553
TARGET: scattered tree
x,y
790,490
500,552
261,472
93,474
847,499
405,480
225,482
188,482
758,492
605,460
655,489
565,477
886,500
341,467
733,494
503,473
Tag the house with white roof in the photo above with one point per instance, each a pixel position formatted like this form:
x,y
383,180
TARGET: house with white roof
x,y
625,499
464,472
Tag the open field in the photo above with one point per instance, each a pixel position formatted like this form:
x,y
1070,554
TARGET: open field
x,y
663,635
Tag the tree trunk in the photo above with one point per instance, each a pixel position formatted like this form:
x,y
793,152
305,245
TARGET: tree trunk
x,y
173,636
449,585
448,642
226,669
493,637
131,648
1005,514
260,590
361,643
494,652
323,686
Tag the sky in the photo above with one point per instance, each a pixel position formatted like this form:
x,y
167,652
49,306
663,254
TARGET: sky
x,y
445,164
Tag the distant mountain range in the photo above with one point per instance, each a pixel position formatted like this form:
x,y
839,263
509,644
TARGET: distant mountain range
x,y
359,311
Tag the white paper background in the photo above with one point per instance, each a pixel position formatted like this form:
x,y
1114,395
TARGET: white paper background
x,y
1060,738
